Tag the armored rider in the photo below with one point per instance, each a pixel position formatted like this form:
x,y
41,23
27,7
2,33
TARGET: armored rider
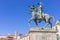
x,y
40,11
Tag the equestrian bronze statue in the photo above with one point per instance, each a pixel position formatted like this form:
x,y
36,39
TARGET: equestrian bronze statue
x,y
38,15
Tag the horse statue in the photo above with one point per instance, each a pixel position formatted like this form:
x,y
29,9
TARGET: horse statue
x,y
39,16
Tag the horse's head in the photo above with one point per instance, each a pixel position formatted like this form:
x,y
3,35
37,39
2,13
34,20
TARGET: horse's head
x,y
33,8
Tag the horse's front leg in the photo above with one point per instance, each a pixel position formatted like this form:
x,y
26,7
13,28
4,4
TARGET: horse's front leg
x,y
29,21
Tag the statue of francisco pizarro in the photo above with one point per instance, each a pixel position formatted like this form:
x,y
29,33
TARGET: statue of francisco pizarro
x,y
38,15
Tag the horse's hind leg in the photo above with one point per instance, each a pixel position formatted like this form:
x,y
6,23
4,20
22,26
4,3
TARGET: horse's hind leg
x,y
46,20
50,24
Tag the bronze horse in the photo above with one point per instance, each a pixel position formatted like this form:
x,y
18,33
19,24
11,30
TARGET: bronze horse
x,y
38,16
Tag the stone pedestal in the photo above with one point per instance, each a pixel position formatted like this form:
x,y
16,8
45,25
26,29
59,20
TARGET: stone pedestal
x,y
42,34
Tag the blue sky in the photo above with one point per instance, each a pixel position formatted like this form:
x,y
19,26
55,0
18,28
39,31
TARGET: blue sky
x,y
14,14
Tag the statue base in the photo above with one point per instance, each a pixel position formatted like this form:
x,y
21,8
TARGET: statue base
x,y
42,34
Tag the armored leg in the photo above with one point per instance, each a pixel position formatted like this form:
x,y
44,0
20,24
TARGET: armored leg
x,y
36,22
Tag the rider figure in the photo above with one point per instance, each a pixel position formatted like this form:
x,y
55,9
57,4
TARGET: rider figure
x,y
40,10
